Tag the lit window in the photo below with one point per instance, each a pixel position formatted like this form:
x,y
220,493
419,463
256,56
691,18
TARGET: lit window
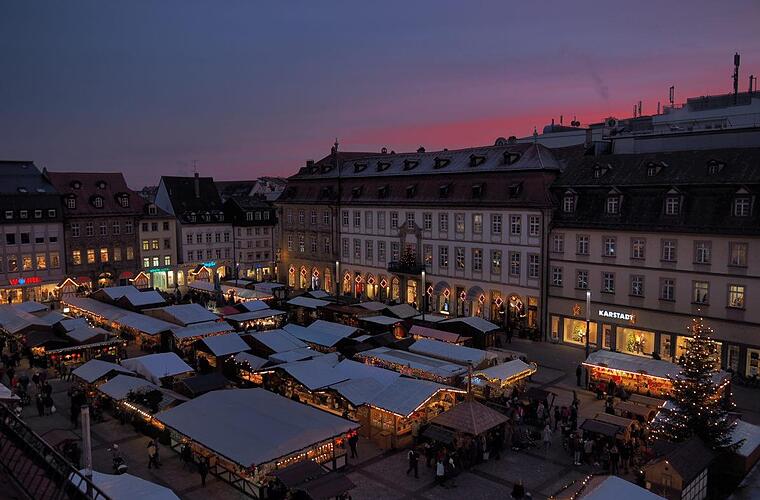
x,y
701,292
608,282
738,254
736,296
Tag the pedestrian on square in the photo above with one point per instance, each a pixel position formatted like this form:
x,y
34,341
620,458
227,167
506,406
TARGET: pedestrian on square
x,y
557,417
547,436
36,380
578,373
588,450
10,372
428,451
43,376
413,457
49,406
352,440
40,404
152,455
614,458
577,449
518,491
439,472
203,471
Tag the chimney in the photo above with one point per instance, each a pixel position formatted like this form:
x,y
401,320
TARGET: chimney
x,y
197,185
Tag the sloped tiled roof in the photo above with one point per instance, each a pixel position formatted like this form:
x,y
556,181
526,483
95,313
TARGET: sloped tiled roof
x,y
113,184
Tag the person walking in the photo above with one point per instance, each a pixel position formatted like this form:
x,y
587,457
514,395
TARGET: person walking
x,y
518,490
578,373
36,380
577,449
203,471
152,455
547,436
557,417
440,472
614,458
413,457
352,440
40,404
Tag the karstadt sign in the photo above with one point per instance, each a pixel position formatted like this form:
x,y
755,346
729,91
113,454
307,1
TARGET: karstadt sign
x,y
617,315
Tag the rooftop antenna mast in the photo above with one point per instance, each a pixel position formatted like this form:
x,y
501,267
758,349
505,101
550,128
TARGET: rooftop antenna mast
x,y
737,60
672,95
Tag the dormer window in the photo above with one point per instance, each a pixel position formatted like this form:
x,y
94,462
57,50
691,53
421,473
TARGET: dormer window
x,y
441,162
192,217
76,185
511,158
97,202
515,190
382,191
100,184
325,192
654,168
383,166
714,167
477,160
71,203
568,203
124,201
672,204
613,204
742,206
359,167
152,210
444,190
23,190
410,164
411,191
356,191
220,217
207,217
477,190
600,170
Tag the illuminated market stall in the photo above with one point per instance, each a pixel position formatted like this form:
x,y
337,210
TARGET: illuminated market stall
x,y
467,356
248,434
636,374
414,365
217,348
499,380
263,319
96,372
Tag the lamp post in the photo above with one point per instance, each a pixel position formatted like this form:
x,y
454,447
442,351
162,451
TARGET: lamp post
x,y
338,282
424,294
588,311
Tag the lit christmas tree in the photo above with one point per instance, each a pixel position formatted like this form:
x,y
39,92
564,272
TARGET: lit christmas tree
x,y
409,258
697,408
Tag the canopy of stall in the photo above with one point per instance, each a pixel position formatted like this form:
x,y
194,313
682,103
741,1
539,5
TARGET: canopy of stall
x,y
154,367
452,352
470,417
95,369
127,487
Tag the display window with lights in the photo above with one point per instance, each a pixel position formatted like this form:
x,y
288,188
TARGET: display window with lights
x,y
634,341
574,331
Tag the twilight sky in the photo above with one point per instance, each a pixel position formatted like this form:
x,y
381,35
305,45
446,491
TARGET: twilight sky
x,y
249,88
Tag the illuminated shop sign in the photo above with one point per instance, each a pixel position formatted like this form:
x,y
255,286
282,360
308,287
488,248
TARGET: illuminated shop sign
x,y
617,315
211,263
25,281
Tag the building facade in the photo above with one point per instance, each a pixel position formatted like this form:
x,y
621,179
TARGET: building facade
x,y
474,220
31,263
158,247
657,239
204,236
101,215
253,222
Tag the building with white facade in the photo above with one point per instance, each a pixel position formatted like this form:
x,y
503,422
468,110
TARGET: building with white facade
x,y
157,236
204,236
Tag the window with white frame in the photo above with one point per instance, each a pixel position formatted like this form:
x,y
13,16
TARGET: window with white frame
x,y
736,296
381,251
344,217
669,250
737,254
558,242
514,263
443,257
395,251
459,253
410,220
556,276
357,218
672,205
301,216
443,222
533,266
301,243
638,248
325,217
368,219
427,221
459,223
477,223
582,244
496,224
701,292
368,250
75,229
637,285
668,289
610,246
515,225
326,245
581,279
427,254
312,244
394,220
534,225
608,282
613,204
477,259
702,252
357,250
568,203
312,218
344,248
742,206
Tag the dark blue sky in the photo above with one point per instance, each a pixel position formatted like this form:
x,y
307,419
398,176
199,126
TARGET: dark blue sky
x,y
251,88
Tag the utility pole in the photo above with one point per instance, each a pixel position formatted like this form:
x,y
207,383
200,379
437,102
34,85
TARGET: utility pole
x,y
87,445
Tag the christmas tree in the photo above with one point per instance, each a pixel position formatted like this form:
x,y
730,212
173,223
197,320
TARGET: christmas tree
x,y
409,258
696,407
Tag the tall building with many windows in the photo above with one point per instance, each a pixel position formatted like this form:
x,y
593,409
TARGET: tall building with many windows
x,y
31,248
158,246
656,239
474,220
204,236
100,214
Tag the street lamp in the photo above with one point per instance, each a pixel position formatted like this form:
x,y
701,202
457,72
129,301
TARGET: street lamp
x,y
338,282
588,311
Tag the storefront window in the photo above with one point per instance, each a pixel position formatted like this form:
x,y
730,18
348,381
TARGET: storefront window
x,y
607,338
733,358
637,342
555,327
666,346
753,362
682,345
575,331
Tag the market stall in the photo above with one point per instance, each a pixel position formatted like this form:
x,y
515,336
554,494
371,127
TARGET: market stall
x,y
414,365
482,332
467,356
642,413
468,421
322,335
422,332
162,368
499,380
379,325
217,348
248,434
636,374
96,372
185,337
263,319
303,310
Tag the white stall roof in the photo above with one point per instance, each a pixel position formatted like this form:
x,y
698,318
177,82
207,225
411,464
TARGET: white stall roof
x,y
251,315
137,321
432,333
451,352
184,314
506,370
30,306
95,368
253,426
479,324
118,387
416,361
750,433
203,286
254,305
145,298
117,292
319,294
85,333
640,364
373,306
403,311
145,324
154,367
13,319
405,395
381,320
221,345
307,302
278,340
74,323
326,371
127,487
336,329
201,329
268,286
321,333
294,355
254,362
615,487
